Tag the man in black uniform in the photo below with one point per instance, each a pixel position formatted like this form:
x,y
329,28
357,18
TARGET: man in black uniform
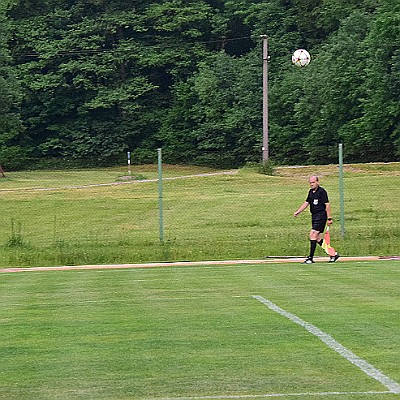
x,y
320,209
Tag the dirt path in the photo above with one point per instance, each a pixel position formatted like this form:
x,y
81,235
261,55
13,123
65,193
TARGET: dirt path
x,y
128,182
272,260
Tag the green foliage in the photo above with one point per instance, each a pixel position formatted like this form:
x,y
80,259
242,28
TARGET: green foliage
x,y
378,129
14,157
16,238
216,121
331,98
10,123
267,167
97,78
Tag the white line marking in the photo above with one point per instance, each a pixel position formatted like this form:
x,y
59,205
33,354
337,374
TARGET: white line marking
x,y
259,396
366,367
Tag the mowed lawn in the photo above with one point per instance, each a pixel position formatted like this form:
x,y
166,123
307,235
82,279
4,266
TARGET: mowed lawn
x,y
197,331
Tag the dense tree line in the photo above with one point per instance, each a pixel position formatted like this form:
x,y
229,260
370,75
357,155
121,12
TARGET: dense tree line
x,y
92,79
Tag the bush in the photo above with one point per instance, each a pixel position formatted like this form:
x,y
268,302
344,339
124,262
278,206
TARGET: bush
x,y
13,158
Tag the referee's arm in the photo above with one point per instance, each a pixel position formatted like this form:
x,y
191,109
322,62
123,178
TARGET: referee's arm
x,y
328,213
301,208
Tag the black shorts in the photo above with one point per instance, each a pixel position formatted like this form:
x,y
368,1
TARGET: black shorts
x,y
319,224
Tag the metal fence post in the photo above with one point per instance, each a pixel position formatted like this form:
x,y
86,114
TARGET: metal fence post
x,y
341,189
160,196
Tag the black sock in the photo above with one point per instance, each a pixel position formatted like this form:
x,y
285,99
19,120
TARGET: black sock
x,y
320,242
313,246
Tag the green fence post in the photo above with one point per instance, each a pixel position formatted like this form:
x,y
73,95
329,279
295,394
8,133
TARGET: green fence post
x,y
160,196
341,189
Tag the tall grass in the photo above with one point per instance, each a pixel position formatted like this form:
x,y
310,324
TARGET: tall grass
x,y
244,215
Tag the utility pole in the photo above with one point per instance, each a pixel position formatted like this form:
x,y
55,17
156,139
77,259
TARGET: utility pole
x,y
265,150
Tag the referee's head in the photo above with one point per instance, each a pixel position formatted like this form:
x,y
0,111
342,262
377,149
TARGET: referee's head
x,y
314,183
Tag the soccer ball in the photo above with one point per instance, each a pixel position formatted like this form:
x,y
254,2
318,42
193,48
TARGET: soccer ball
x,y
301,58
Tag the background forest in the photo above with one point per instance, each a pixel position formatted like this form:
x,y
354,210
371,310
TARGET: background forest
x,y
89,80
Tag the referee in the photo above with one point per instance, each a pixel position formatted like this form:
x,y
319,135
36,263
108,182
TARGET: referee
x,y
320,210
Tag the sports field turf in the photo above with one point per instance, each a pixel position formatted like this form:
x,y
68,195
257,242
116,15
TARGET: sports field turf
x,y
199,332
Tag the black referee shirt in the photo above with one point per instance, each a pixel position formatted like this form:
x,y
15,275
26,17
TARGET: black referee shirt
x,y
317,201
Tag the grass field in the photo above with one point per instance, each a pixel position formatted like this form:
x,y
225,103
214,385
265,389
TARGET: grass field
x,y
198,332
61,217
